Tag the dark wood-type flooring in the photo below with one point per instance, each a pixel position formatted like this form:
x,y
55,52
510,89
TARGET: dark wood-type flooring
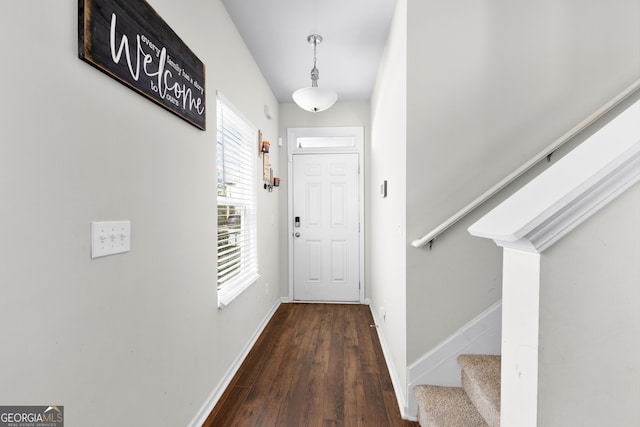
x,y
313,365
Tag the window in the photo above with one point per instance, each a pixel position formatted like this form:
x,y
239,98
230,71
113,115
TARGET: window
x,y
237,203
326,142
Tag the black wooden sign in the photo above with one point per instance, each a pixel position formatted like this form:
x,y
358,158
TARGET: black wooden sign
x,y
129,41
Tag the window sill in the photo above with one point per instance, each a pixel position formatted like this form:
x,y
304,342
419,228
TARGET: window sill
x,y
225,296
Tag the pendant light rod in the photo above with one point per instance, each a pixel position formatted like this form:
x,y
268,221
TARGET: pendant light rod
x,y
315,40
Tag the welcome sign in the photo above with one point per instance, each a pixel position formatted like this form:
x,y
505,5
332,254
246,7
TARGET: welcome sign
x,y
129,41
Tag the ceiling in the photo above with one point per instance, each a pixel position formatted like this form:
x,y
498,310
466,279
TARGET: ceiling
x,y
354,33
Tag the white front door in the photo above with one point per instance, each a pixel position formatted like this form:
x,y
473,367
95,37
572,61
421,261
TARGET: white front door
x,y
326,252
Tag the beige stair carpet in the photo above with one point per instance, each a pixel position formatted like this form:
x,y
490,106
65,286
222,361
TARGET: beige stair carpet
x,y
446,407
475,404
481,382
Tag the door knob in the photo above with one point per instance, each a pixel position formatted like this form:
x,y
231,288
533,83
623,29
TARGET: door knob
x,y
297,234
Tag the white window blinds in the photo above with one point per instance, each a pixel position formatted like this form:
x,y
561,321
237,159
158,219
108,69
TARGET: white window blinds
x,y
237,203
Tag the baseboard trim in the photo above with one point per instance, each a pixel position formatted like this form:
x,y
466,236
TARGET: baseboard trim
x,y
482,335
219,389
395,379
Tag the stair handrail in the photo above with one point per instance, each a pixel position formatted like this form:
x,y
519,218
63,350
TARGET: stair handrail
x,y
544,154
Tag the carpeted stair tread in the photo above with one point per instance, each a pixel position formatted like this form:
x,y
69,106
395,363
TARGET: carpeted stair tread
x,y
481,382
446,407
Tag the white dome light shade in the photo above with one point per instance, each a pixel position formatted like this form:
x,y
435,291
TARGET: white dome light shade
x,y
315,98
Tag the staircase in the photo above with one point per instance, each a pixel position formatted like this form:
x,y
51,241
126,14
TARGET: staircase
x,y
475,404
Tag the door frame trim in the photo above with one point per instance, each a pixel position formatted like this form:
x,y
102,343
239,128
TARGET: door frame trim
x,y
338,131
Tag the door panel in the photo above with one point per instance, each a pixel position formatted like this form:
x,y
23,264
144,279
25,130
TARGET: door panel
x,y
339,261
326,254
314,261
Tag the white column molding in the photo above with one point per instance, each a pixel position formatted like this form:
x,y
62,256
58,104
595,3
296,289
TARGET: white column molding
x,y
570,191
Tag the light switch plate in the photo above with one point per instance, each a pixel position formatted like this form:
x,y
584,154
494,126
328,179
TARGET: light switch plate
x,y
110,237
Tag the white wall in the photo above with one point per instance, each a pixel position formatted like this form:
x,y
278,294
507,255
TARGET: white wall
x,y
132,339
387,219
489,85
590,321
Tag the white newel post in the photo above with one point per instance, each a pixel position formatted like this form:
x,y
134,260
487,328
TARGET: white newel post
x,y
532,220
520,315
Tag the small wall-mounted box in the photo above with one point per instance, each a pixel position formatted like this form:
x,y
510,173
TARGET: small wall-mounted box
x,y
383,189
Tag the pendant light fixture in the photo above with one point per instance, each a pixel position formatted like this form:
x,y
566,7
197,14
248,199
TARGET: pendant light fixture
x,y
313,98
